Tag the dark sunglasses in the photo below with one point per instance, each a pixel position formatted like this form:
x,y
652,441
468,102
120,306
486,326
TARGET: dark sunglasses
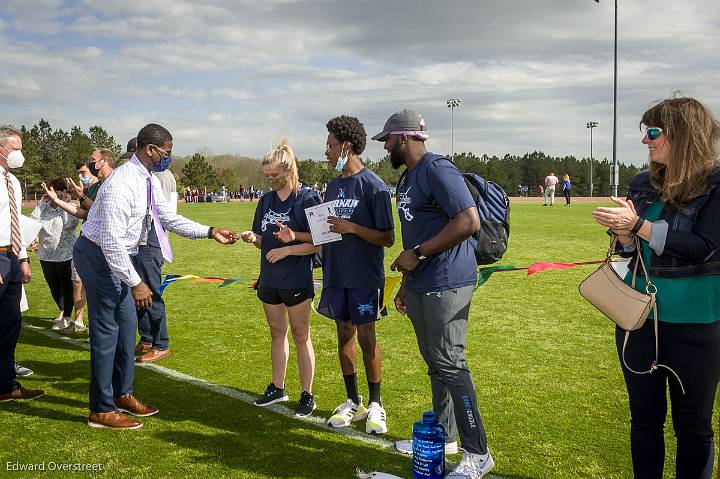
x,y
653,132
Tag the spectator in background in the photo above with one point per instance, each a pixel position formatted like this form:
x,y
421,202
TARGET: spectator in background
x,y
252,193
550,181
154,341
87,180
567,184
130,150
55,242
100,164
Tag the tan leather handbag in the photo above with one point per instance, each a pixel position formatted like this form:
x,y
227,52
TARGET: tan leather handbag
x,y
625,306
622,304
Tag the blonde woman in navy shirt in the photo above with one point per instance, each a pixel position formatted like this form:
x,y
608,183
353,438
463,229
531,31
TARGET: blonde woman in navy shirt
x,y
285,286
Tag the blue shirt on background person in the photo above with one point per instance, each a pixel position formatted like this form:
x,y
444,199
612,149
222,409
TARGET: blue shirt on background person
x,y
423,214
363,199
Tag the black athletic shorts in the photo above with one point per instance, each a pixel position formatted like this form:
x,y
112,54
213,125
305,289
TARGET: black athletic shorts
x,y
288,297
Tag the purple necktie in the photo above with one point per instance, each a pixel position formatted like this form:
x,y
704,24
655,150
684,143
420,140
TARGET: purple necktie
x,y
159,230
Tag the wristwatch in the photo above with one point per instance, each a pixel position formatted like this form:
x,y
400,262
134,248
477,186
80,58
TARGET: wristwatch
x,y
418,253
82,198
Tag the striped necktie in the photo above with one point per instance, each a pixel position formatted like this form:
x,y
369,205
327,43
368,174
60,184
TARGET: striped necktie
x,y
14,218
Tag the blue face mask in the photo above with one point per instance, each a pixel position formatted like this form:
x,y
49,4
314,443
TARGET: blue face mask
x,y
341,162
85,180
163,164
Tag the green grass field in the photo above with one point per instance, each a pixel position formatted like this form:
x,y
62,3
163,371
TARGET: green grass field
x,y
549,384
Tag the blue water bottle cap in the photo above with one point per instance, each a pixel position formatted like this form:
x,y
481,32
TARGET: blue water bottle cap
x,y
429,417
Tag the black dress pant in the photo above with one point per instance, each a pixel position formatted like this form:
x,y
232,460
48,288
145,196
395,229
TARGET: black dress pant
x,y
693,352
10,292
58,275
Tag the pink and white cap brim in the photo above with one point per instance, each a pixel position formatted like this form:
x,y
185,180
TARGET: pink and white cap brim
x,y
423,135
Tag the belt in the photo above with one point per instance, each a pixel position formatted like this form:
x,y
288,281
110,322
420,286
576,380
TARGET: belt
x,y
6,249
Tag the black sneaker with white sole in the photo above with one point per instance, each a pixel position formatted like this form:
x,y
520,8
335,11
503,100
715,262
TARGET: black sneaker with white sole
x,y
306,405
271,395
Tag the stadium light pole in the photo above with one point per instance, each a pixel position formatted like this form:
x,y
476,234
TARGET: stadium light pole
x,y
614,173
591,125
452,103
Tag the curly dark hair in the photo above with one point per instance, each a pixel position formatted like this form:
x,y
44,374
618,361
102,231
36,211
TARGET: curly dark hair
x,y
349,128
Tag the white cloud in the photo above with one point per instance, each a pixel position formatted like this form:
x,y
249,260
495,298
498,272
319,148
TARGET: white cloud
x,y
234,76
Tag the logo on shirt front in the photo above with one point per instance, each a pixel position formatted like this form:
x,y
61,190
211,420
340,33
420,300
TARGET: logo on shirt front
x,y
403,205
344,207
271,218
365,308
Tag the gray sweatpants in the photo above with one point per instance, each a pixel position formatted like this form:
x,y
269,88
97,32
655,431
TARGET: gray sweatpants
x,y
440,320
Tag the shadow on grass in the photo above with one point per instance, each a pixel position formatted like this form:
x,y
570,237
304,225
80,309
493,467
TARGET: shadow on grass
x,y
245,437
27,336
213,428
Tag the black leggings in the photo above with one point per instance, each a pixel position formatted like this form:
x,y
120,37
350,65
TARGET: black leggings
x,y
693,352
58,275
567,196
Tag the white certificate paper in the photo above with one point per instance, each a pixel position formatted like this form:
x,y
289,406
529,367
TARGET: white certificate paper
x,y
30,229
317,217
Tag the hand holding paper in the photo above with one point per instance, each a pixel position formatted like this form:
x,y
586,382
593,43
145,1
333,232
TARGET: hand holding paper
x,y
317,217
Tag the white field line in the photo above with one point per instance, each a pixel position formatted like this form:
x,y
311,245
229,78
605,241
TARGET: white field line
x,y
241,396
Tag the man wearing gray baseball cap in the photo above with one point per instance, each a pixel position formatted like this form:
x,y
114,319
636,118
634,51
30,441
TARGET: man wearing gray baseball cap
x,y
438,215
405,122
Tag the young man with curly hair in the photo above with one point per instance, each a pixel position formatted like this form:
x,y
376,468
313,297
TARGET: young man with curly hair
x,y
353,274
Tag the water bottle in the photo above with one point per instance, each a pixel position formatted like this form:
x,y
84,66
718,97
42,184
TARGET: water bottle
x,y
428,448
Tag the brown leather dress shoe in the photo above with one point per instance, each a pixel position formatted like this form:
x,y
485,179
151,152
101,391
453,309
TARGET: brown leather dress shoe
x,y
153,355
132,405
112,420
141,348
21,394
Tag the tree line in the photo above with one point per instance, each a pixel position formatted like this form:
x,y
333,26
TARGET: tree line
x,y
51,153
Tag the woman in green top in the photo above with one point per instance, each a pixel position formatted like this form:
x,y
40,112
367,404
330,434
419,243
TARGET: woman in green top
x,y
674,209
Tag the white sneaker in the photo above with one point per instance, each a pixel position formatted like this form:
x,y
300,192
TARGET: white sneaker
x,y
346,413
405,447
60,323
376,421
473,466
79,326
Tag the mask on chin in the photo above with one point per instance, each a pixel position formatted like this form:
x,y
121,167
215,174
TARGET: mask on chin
x,y
85,180
342,161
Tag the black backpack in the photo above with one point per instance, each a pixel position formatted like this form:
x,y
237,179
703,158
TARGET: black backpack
x,y
491,241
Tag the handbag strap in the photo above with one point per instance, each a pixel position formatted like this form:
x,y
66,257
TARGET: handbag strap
x,y
651,290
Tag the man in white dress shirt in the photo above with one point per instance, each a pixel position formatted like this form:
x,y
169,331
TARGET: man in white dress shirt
x,y
119,218
14,266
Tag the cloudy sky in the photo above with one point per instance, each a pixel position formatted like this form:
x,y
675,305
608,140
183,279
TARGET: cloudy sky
x,y
233,76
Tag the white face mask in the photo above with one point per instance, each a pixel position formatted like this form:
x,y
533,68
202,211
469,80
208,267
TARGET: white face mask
x,y
341,161
15,159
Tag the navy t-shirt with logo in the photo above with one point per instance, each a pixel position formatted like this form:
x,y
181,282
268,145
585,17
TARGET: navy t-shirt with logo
x,y
422,219
363,199
292,271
